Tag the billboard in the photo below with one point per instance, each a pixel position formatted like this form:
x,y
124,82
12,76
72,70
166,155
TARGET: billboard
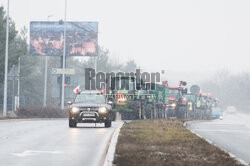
x,y
46,38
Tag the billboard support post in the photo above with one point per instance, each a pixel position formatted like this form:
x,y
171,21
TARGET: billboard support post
x,y
45,82
64,55
95,63
46,76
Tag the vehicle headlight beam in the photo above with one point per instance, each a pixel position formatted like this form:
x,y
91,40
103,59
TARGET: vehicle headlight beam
x,y
102,110
75,110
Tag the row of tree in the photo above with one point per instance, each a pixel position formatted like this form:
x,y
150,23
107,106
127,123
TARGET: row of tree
x,y
17,43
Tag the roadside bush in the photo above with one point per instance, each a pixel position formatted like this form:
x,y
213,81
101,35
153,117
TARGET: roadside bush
x,y
41,112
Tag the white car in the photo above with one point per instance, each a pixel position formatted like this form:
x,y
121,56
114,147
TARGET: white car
x,y
231,110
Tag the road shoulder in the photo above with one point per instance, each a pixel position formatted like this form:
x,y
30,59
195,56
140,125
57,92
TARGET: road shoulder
x,y
239,160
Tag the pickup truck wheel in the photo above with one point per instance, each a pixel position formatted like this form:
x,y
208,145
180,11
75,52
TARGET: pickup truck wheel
x,y
108,123
72,123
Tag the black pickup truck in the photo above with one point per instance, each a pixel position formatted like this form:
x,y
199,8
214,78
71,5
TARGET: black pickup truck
x,y
90,107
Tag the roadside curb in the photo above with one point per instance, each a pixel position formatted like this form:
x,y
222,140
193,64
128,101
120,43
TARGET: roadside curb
x,y
111,147
186,125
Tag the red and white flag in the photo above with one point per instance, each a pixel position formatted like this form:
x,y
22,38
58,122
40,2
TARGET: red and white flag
x,y
76,90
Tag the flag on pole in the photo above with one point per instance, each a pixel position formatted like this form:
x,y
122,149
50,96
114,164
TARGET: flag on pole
x,y
118,97
76,90
104,90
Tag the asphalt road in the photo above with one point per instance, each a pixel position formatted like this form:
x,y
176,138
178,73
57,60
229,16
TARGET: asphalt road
x,y
232,133
52,143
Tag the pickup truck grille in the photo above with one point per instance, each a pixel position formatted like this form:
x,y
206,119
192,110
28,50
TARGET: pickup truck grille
x,y
88,108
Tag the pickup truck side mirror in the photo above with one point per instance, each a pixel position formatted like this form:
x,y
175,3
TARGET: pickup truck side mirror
x,y
69,103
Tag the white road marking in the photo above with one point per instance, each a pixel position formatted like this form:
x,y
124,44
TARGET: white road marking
x,y
35,152
229,131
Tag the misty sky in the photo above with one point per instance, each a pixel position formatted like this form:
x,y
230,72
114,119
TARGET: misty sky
x,y
195,36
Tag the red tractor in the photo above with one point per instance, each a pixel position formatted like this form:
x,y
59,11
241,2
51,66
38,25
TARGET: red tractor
x,y
176,103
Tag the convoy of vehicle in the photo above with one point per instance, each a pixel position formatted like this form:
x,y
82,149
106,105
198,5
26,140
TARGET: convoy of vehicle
x,y
161,101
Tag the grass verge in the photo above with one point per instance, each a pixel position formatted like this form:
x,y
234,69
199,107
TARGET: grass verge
x,y
29,112
165,142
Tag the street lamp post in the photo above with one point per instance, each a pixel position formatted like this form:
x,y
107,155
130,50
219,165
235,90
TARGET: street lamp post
x,y
64,55
6,63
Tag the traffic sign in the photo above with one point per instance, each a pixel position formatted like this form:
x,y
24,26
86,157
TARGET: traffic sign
x,y
68,71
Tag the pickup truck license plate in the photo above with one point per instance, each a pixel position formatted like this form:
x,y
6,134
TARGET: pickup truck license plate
x,y
88,114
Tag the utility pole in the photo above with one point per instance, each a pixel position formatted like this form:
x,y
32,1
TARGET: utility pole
x,y
18,82
64,56
45,76
13,88
6,64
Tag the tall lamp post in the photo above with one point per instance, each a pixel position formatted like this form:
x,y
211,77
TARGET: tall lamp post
x,y
6,64
64,55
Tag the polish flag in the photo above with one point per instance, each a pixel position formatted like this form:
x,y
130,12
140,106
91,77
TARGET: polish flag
x,y
118,96
104,90
76,90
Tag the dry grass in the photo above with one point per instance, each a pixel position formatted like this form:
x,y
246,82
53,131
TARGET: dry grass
x,y
41,112
165,142
36,112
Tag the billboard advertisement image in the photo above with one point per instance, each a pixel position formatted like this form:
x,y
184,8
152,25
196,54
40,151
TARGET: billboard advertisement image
x,y
46,38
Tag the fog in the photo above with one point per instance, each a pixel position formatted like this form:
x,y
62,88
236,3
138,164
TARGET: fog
x,y
194,37
190,40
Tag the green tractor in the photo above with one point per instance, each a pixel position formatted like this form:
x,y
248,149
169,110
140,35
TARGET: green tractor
x,y
158,105
190,105
203,106
127,100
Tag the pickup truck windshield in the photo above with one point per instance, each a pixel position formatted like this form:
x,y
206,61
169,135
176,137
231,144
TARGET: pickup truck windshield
x,y
90,99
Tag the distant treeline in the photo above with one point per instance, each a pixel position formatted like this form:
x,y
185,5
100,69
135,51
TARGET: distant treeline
x,y
231,89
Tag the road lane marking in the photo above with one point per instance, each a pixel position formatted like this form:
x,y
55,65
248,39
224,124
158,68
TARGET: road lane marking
x,y
35,152
204,130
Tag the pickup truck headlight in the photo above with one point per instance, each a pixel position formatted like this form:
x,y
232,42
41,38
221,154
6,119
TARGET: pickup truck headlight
x,y
102,110
75,110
